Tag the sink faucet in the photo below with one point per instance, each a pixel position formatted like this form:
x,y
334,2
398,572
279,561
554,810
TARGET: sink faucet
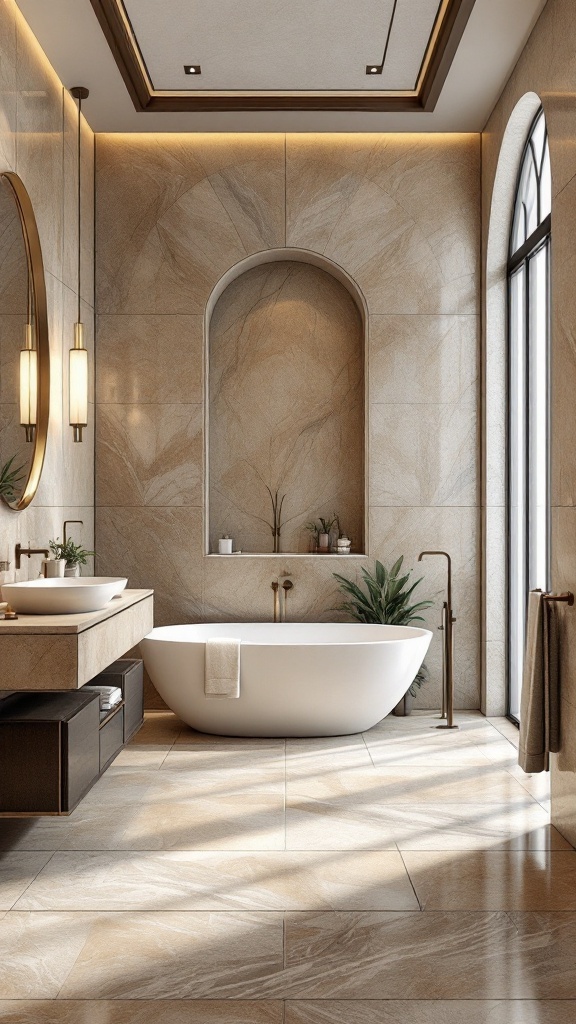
x,y
286,584
448,652
19,551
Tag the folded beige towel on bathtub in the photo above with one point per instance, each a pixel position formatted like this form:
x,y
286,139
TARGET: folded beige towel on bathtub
x,y
222,668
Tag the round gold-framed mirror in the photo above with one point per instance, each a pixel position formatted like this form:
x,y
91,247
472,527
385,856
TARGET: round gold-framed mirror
x,y
24,347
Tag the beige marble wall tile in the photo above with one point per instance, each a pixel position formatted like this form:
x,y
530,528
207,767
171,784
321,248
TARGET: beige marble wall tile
x,y
286,406
39,126
150,455
240,589
360,200
444,348
495,654
158,548
70,213
7,89
141,1011
182,216
495,540
423,455
157,359
563,350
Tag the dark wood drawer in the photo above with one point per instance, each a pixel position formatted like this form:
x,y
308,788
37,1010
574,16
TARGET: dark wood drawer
x,y
111,738
49,751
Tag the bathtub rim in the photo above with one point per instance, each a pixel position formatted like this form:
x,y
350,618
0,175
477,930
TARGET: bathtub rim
x,y
412,633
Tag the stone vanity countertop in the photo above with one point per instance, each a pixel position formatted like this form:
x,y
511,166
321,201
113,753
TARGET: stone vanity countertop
x,y
77,622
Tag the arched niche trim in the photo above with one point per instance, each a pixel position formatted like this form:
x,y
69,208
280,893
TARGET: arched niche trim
x,y
282,255
270,256
495,388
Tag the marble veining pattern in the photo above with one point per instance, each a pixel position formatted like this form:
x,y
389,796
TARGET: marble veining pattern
x,y
229,881
400,216
286,361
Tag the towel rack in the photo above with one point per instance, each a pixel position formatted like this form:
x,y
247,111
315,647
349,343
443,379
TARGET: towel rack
x,y
568,597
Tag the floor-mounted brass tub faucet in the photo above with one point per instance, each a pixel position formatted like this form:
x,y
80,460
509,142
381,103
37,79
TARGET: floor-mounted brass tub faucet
x,y
448,621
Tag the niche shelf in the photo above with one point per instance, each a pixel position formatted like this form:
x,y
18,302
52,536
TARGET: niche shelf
x,y
286,405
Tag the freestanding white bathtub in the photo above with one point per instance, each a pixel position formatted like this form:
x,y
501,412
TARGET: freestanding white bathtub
x,y
296,679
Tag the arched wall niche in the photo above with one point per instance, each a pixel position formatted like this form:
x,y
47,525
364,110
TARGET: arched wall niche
x,y
495,388
285,354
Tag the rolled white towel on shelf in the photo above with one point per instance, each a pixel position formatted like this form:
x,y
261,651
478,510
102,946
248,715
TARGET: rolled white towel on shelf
x,y
222,668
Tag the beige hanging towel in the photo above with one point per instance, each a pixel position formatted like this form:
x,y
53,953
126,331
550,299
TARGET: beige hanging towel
x,y
539,710
222,668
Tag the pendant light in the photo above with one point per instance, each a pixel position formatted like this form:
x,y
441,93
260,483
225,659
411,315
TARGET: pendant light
x,y
29,375
78,365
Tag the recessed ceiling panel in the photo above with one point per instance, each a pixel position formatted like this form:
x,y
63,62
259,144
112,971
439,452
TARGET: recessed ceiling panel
x,y
283,45
284,54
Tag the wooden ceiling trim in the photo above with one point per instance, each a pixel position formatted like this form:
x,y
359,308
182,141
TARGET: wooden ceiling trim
x,y
116,27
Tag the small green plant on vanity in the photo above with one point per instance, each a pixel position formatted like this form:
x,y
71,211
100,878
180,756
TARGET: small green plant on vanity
x,y
74,554
386,600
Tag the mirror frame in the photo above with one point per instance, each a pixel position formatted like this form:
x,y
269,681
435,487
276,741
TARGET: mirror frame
x,y
37,282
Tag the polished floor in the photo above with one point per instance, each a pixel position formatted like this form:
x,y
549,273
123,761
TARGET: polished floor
x,y
405,876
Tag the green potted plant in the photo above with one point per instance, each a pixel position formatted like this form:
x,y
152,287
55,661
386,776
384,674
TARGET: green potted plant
x,y
386,600
320,530
74,555
10,477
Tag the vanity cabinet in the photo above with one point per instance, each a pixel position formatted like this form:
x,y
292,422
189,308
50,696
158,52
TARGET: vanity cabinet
x,y
49,751
54,745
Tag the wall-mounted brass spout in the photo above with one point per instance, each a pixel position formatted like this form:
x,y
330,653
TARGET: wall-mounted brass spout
x,y
19,551
448,621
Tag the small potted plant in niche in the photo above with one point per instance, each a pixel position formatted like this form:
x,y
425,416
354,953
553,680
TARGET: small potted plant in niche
x,y
73,554
321,529
387,601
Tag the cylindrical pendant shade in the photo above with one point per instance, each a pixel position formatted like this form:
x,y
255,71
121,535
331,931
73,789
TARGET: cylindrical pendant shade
x,y
28,390
78,386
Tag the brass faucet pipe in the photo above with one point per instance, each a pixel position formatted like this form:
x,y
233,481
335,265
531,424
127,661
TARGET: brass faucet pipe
x,y
448,659
276,588
19,551
286,587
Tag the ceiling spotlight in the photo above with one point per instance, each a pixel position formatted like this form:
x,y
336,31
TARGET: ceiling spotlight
x,y
192,69
374,69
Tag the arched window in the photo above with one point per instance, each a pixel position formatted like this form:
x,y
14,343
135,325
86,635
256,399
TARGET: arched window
x,y
528,433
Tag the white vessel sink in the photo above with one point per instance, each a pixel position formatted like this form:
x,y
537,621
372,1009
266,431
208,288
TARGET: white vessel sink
x,y
62,596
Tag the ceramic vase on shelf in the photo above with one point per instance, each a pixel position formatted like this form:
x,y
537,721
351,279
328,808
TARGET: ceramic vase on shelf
x,y
72,570
323,541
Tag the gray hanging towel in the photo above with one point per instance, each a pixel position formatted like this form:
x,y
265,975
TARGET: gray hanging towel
x,y
539,710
